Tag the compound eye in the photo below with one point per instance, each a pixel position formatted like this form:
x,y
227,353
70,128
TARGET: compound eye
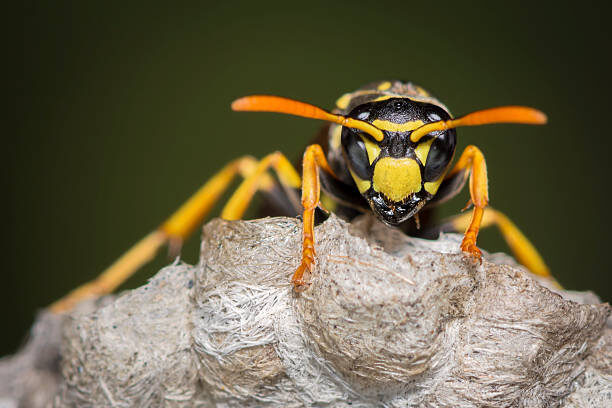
x,y
440,154
356,153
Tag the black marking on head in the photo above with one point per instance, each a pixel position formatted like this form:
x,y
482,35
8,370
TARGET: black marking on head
x,y
440,154
400,110
395,213
397,145
356,153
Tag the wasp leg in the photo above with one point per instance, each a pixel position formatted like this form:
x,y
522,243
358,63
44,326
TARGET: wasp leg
x,y
314,158
176,229
472,160
311,191
521,247
240,200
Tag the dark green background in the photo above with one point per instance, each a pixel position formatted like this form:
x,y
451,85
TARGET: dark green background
x,y
122,110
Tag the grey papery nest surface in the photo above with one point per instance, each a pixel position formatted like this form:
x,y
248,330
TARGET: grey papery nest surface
x,y
388,321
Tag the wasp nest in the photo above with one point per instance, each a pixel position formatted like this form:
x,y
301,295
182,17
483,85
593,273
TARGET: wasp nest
x,y
388,321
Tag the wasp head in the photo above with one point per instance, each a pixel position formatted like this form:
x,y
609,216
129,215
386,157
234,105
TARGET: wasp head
x,y
395,175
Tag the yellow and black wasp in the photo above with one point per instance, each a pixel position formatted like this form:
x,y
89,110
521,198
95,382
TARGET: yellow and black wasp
x,y
388,150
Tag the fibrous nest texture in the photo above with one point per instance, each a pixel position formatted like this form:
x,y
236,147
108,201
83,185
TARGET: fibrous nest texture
x,y
388,321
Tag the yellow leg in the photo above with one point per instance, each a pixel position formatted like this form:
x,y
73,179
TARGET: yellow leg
x,y
314,158
473,160
176,229
522,249
240,200
114,275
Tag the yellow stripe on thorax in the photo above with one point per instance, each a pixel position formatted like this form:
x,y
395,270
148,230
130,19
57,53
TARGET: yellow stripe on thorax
x,y
384,98
384,86
344,101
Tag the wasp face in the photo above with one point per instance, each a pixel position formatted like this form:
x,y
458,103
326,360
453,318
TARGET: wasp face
x,y
396,176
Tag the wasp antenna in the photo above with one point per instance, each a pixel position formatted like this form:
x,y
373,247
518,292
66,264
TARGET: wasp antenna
x,y
278,104
503,114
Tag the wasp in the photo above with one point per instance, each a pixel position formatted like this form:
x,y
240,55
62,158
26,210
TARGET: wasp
x,y
387,149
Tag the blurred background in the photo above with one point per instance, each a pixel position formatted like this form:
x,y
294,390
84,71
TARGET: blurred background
x,y
122,111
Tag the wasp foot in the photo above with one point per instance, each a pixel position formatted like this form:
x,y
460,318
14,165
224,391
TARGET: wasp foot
x,y
468,246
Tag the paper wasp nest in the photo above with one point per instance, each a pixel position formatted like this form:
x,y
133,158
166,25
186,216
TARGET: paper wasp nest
x,y
388,321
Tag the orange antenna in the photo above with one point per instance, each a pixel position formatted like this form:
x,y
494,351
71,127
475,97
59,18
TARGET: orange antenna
x,y
503,114
268,103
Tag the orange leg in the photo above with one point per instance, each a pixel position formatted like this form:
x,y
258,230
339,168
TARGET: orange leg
x,y
473,160
175,230
311,193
